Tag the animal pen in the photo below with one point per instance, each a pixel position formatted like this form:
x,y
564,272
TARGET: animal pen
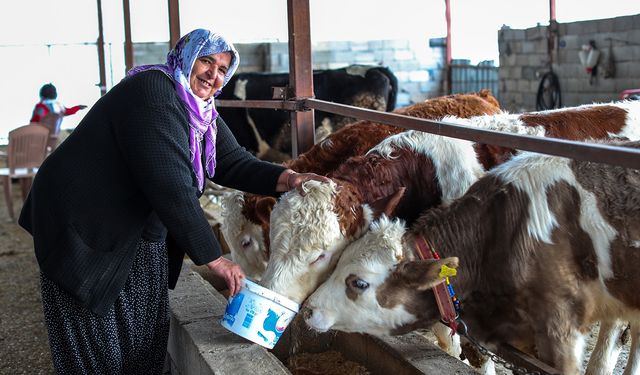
x,y
397,355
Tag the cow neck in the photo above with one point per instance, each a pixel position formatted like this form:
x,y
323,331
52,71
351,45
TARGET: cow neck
x,y
376,177
458,230
352,140
372,176
446,298
466,229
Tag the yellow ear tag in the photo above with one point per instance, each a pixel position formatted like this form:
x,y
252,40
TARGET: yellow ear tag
x,y
447,271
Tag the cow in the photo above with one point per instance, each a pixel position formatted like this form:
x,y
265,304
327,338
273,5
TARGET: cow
x,y
260,130
400,168
399,177
246,216
308,233
544,246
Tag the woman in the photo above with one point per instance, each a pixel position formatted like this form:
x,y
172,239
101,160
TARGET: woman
x,y
120,196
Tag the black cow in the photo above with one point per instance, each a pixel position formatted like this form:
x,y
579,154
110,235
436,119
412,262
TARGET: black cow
x,y
372,87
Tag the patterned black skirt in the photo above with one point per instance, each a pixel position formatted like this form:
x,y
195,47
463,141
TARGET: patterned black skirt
x,y
130,339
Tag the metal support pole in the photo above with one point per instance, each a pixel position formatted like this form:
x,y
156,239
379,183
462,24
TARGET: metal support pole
x,y
300,74
552,32
174,22
128,44
101,58
447,14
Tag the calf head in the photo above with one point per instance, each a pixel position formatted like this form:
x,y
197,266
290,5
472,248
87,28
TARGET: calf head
x,y
309,232
376,287
246,230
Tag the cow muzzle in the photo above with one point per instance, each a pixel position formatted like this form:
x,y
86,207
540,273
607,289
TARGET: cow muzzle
x,y
317,319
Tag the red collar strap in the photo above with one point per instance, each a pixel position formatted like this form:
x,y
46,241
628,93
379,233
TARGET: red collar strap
x,y
445,296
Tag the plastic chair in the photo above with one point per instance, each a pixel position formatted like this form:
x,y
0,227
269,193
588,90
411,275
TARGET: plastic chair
x,y
52,121
26,151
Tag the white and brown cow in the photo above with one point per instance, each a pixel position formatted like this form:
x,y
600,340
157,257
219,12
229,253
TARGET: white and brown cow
x,y
402,175
405,174
544,247
313,230
246,216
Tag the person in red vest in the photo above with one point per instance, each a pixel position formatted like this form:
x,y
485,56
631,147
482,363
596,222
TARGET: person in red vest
x,y
49,103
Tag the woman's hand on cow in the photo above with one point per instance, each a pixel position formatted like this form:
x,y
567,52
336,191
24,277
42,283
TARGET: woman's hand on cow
x,y
229,271
290,179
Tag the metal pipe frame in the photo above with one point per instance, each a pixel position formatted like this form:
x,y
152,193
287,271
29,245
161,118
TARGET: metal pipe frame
x,y
128,42
300,74
102,85
174,22
622,156
613,155
287,105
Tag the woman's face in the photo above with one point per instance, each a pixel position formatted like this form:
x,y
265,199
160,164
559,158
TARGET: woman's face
x,y
207,75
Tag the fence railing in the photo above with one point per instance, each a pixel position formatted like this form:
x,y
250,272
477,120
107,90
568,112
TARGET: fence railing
x,y
601,153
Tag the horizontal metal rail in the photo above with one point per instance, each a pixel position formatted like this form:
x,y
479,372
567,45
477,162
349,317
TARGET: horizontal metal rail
x,y
623,156
600,153
287,105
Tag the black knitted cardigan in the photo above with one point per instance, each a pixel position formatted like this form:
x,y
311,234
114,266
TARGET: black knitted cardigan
x,y
127,161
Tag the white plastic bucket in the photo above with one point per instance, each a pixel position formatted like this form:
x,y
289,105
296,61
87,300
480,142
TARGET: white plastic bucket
x,y
258,314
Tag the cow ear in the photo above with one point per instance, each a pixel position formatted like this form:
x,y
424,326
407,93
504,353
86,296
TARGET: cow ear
x,y
264,205
388,204
424,274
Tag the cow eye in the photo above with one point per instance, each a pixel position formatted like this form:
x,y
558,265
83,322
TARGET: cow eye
x,y
320,257
359,284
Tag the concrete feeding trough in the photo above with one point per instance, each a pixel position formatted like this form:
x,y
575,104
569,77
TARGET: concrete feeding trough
x,y
198,344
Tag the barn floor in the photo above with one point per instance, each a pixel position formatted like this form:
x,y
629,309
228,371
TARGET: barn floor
x,y
23,335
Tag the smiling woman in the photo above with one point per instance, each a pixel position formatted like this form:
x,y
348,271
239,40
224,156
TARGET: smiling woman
x,y
207,75
142,154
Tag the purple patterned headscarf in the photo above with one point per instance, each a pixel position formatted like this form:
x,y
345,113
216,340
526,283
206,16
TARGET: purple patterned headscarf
x,y
202,113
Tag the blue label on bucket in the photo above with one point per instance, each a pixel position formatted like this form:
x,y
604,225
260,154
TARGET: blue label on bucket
x,y
233,308
273,323
270,323
252,309
246,323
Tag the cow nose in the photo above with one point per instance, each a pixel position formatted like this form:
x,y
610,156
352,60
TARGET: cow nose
x,y
306,312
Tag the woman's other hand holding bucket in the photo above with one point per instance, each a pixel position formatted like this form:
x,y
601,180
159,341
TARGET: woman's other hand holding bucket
x,y
229,271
